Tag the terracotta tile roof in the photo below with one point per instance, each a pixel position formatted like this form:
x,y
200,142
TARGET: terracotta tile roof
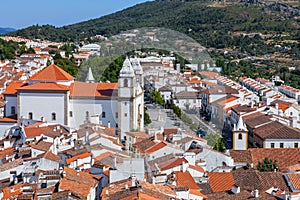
x,y
50,156
285,157
42,145
138,134
276,130
7,152
11,165
241,156
44,87
243,108
220,90
81,177
169,131
160,160
156,147
144,144
209,74
253,179
117,190
256,119
8,193
187,95
185,179
12,87
221,181
103,155
169,164
83,89
80,156
31,132
52,73
10,119
295,180
76,187
244,194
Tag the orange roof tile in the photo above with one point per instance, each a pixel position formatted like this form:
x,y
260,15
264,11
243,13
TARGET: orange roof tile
x,y
12,87
8,193
221,181
169,164
227,100
44,87
10,119
76,187
295,180
155,147
103,155
185,179
80,156
52,73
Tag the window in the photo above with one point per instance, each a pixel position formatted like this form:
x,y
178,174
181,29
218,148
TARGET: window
x,y
291,113
125,114
30,116
13,110
194,101
71,114
103,114
53,116
125,103
281,145
272,145
116,115
240,136
296,145
125,83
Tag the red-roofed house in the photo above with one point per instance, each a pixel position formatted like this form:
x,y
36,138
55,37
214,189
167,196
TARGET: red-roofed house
x,y
81,161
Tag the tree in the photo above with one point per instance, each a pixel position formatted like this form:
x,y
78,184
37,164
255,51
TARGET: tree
x,y
155,95
212,139
268,165
177,110
219,146
147,119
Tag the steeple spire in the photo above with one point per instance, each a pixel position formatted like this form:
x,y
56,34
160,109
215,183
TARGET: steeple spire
x,y
90,78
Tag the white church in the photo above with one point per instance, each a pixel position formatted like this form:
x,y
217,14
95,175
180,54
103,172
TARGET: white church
x,y
53,96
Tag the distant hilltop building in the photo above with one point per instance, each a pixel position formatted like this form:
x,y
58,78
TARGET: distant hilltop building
x,y
93,49
53,96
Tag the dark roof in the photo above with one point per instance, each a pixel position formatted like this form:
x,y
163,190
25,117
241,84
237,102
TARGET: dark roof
x,y
187,95
165,88
242,195
256,119
144,144
253,179
243,108
276,130
285,157
220,90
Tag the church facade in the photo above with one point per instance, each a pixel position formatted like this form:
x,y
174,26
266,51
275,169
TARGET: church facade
x,y
53,96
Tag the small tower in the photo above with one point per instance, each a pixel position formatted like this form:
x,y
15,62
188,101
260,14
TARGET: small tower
x,y
138,70
90,78
130,101
240,136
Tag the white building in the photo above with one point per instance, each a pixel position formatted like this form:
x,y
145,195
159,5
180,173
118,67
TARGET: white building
x,y
53,96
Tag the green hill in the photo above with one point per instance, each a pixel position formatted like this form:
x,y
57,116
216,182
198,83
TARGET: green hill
x,y
208,23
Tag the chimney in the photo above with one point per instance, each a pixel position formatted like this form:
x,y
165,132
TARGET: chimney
x,y
235,189
126,187
255,193
276,106
293,122
108,124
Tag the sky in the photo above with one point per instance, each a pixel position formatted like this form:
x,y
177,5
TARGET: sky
x,y
21,14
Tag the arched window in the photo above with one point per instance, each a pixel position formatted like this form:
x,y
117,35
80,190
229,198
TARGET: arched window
x,y
53,116
240,136
125,83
